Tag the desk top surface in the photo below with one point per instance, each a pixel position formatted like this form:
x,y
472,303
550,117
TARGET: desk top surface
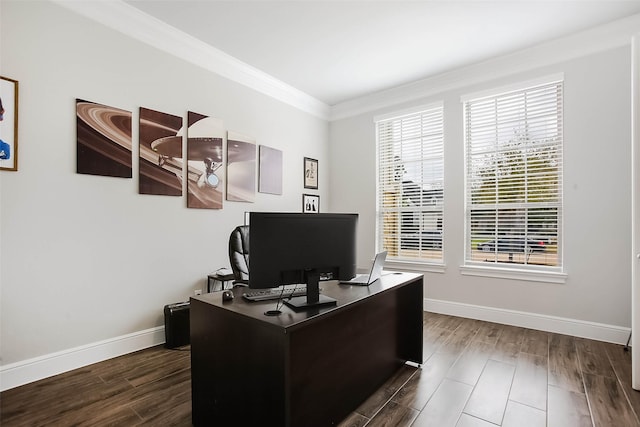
x,y
344,295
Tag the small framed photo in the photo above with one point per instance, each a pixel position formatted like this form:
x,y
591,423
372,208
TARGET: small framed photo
x,y
310,173
8,124
310,203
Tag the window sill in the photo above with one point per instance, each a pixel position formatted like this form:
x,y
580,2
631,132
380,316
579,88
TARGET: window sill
x,y
414,267
513,273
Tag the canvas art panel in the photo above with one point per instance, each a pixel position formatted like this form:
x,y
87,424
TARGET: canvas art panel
x,y
241,168
270,171
205,174
103,140
8,124
160,153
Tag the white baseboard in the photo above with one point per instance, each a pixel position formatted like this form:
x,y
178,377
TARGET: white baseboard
x,y
26,371
542,322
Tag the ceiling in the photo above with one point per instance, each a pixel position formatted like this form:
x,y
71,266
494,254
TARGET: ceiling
x,y
337,50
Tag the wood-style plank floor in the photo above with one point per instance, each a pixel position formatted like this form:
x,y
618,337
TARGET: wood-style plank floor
x,y
475,374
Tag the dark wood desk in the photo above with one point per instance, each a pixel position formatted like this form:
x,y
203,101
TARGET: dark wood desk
x,y
309,368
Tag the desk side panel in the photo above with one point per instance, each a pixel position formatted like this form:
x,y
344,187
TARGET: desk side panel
x,y
410,321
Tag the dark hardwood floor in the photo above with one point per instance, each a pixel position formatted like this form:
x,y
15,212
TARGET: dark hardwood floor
x,y
475,374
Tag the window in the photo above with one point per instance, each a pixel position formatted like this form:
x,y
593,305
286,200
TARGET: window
x,y
411,185
514,178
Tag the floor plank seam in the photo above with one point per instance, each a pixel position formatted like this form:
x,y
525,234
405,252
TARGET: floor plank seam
x,y
586,393
623,388
389,400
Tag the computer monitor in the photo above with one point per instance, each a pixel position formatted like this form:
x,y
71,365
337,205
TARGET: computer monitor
x,y
290,248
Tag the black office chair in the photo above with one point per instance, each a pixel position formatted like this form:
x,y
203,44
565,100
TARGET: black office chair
x,y
239,255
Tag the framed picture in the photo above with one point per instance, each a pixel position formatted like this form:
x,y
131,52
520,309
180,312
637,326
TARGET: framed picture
x,y
8,124
310,173
310,203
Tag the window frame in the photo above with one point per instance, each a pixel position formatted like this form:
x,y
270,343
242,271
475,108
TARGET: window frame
x,y
518,271
393,260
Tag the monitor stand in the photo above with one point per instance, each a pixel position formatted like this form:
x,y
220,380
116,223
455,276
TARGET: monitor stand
x,y
313,297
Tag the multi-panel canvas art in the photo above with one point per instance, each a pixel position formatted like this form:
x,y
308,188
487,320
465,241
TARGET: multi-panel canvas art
x,y
103,140
270,171
205,173
160,153
105,147
241,168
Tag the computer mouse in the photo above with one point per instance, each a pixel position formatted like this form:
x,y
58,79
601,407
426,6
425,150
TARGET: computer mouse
x,y
227,295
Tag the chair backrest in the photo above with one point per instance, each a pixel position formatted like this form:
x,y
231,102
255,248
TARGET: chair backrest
x,y
239,253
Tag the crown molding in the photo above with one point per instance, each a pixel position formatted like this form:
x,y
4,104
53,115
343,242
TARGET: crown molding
x,y
134,23
126,19
615,34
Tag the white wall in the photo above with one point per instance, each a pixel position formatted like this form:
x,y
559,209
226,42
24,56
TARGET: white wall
x,y
597,186
83,258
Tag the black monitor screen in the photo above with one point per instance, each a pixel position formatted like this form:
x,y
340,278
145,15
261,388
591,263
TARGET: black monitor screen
x,y
285,246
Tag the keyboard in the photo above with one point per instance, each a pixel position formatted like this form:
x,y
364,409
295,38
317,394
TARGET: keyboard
x,y
285,291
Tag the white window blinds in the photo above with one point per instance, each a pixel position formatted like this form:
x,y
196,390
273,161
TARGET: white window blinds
x,y
411,185
514,178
